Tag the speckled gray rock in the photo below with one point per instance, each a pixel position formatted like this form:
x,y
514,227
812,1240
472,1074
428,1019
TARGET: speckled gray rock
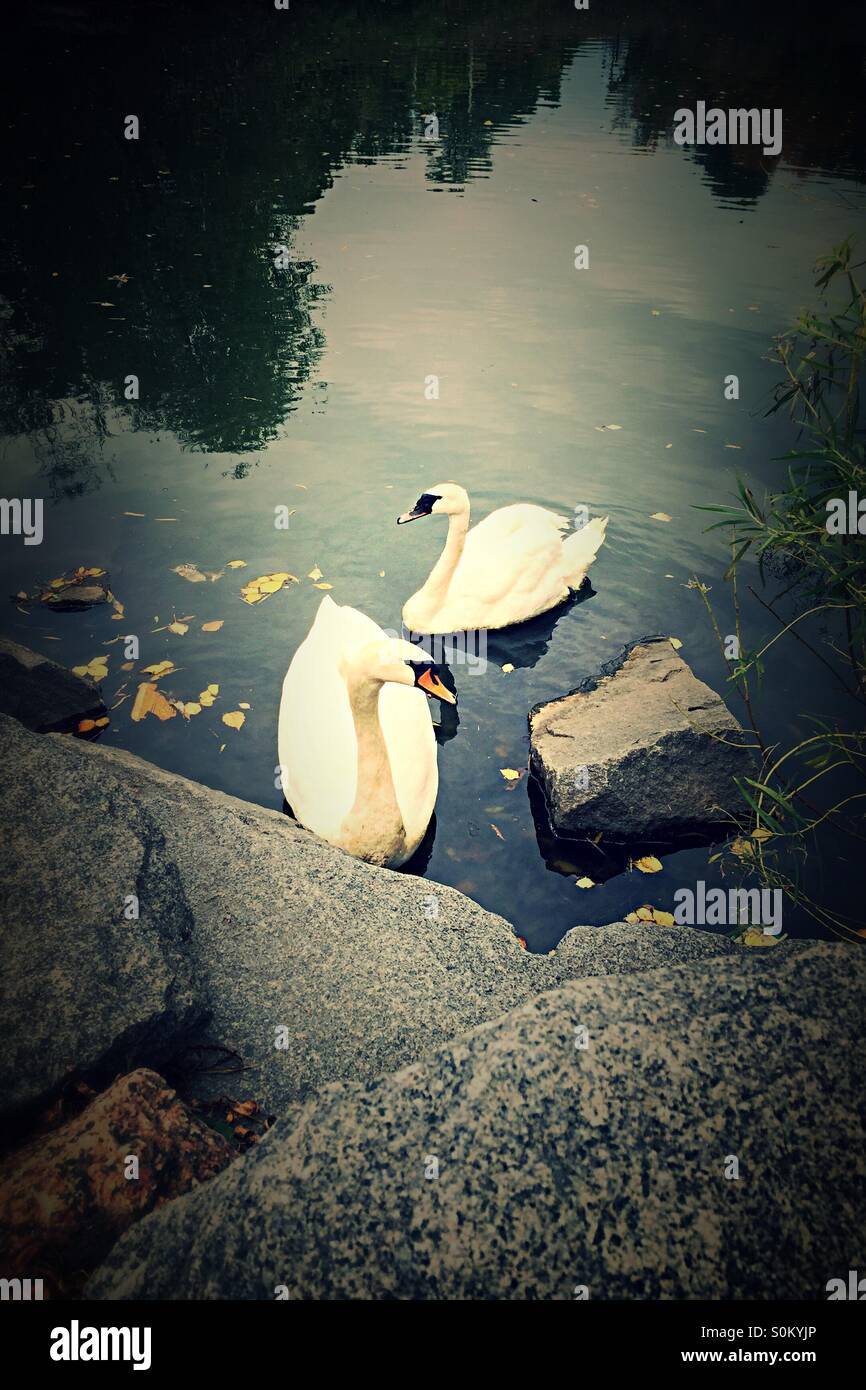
x,y
82,986
42,694
643,751
559,1167
281,931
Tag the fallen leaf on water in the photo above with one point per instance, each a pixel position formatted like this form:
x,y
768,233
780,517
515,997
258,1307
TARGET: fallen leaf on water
x,y
96,670
741,848
127,665
508,667
261,588
242,704
150,700
190,708
497,832
234,719
85,725
190,572
315,573
644,914
214,626
585,883
323,586
648,864
236,564
179,628
512,774
381,574
762,834
159,669
660,516
675,643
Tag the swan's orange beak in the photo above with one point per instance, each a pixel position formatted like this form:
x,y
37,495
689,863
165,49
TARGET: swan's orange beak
x,y
430,682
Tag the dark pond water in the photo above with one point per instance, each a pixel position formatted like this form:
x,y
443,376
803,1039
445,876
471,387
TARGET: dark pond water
x,y
304,387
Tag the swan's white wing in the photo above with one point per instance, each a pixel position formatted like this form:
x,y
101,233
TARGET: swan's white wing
x,y
511,568
317,745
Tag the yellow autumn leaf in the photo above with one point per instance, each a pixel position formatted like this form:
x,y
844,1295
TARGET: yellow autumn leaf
x,y
511,774
675,643
632,917
150,700
741,848
761,834
648,864
315,573
258,589
242,704
236,564
323,586
179,628
664,919
644,914
508,667
95,670
585,883
660,516
214,626
234,719
213,690
755,937
159,669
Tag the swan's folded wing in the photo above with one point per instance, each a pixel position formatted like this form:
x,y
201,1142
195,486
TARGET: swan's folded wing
x,y
515,554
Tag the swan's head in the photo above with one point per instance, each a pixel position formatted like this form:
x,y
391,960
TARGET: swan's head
x,y
400,662
443,499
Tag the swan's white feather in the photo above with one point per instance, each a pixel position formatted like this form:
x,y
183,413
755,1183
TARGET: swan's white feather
x,y
317,742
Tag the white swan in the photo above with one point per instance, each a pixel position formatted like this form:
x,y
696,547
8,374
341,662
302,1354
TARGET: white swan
x,y
512,566
356,743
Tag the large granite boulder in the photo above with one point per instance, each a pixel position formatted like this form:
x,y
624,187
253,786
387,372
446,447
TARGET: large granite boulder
x,y
314,966
707,1142
86,985
42,694
644,751
68,1195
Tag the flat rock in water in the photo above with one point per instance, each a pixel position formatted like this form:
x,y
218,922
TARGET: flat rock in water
x,y
315,966
707,1142
645,751
42,694
69,1195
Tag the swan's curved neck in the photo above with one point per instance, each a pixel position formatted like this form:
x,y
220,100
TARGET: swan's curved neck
x,y
375,818
432,596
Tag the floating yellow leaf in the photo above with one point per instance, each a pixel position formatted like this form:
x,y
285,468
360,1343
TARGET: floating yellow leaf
x,y
632,917
323,586
127,665
660,516
190,708
159,669
664,919
648,864
644,914
259,589
315,573
508,667
511,774
234,719
150,700
236,564
585,883
675,643
179,628
762,834
96,670
243,705
214,626
741,848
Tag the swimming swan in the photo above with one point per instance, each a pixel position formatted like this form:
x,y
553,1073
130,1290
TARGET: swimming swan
x,y
356,743
509,568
